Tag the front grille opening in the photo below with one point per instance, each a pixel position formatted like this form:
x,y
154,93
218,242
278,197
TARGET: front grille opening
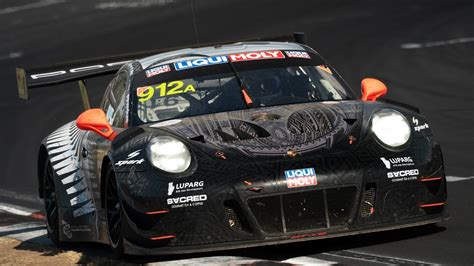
x,y
304,211
235,219
301,211
367,208
267,211
340,202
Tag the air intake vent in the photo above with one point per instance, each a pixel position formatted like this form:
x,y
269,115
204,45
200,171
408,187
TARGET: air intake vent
x,y
234,218
313,122
368,201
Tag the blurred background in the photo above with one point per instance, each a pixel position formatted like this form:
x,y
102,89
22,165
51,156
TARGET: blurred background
x,y
422,49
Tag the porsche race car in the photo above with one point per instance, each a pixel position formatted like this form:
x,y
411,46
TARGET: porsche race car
x,y
231,146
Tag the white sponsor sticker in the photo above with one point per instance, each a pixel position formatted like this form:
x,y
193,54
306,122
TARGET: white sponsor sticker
x,y
397,162
419,127
186,201
129,161
403,175
157,70
185,187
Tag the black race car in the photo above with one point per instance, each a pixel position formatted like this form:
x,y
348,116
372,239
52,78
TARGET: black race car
x,y
231,146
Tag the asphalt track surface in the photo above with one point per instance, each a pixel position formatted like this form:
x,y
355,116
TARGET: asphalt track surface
x,y
422,50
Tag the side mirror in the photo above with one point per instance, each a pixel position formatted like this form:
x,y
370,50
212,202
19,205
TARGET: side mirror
x,y
95,120
372,89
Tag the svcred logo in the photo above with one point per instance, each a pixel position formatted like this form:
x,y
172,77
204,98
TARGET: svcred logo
x,y
403,173
300,178
187,199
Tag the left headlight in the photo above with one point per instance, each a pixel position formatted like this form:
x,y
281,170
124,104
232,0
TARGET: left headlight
x,y
169,154
391,127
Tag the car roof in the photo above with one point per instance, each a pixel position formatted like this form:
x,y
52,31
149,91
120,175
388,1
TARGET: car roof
x,y
239,47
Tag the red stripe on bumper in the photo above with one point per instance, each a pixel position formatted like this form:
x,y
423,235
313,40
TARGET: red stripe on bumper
x,y
430,179
162,237
432,204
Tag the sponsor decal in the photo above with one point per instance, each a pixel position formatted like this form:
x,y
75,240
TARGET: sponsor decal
x,y
66,229
397,162
403,175
185,187
418,127
301,178
187,201
157,70
213,60
256,56
298,54
76,70
128,160
164,89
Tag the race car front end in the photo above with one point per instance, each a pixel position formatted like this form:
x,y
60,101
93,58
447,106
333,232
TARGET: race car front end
x,y
282,181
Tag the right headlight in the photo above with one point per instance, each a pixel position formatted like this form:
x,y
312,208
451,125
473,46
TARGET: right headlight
x,y
169,154
391,128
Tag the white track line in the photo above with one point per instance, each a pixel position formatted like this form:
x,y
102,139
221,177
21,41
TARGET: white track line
x,y
11,55
215,260
458,178
17,210
44,3
132,4
23,231
305,260
437,43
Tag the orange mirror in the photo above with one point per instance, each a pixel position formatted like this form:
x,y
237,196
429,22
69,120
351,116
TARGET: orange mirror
x,y
95,120
372,89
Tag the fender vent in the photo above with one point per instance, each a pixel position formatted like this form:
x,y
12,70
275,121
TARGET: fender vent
x,y
241,130
367,208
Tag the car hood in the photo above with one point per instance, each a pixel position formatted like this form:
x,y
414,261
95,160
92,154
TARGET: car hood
x,y
273,130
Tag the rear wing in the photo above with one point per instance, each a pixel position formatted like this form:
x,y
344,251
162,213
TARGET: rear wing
x,y
36,77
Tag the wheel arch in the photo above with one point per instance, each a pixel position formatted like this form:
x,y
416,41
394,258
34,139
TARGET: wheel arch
x,y
103,171
42,158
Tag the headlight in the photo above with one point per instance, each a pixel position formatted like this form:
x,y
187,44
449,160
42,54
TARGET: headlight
x,y
391,127
169,154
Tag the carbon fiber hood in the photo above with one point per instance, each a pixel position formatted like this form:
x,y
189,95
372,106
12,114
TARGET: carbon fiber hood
x,y
273,130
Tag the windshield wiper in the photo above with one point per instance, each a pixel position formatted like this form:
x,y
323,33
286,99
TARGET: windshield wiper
x,y
248,101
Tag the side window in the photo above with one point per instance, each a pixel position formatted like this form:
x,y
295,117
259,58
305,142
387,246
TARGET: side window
x,y
120,89
115,100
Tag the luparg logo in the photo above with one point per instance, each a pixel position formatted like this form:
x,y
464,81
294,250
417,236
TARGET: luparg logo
x,y
185,187
128,160
397,161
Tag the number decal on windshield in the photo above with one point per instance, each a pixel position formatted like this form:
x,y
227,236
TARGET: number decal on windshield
x,y
165,89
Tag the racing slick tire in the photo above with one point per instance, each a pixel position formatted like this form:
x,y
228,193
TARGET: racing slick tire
x,y
113,210
51,204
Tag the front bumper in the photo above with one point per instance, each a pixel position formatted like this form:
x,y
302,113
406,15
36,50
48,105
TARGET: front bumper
x,y
234,206
134,249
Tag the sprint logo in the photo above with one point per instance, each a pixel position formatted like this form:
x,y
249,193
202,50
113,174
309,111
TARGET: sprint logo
x,y
128,160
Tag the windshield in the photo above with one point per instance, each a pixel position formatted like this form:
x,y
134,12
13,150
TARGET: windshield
x,y
195,90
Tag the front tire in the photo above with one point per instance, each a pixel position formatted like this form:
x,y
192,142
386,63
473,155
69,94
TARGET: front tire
x,y
51,204
113,210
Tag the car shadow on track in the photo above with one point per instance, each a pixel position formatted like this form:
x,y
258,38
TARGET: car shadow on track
x,y
94,252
